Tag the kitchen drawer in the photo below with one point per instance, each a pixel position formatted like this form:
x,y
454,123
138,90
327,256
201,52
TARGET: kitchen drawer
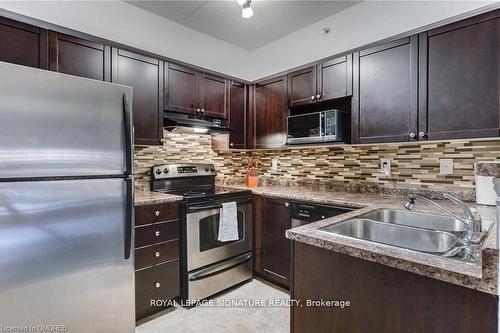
x,y
156,233
156,254
156,283
156,213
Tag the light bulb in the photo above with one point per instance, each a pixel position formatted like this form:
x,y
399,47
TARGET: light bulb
x,y
247,11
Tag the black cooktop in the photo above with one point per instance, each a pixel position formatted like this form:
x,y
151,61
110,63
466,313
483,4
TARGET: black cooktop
x,y
213,194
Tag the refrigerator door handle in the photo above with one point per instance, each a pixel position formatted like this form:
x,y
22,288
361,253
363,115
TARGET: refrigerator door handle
x,y
129,222
129,136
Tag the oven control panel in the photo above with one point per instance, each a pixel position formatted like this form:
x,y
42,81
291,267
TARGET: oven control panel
x,y
182,170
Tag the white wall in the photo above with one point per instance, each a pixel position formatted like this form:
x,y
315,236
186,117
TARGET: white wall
x,y
356,26
121,22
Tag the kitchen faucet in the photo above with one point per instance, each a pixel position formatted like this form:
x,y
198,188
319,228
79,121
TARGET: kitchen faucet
x,y
472,219
472,240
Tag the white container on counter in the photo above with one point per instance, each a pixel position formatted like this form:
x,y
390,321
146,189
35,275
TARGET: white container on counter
x,y
485,188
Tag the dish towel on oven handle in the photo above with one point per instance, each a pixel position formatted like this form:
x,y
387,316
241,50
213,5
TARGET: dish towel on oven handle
x,y
228,223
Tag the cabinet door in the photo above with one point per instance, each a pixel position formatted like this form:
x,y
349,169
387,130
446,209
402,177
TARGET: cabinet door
x,y
144,74
302,87
23,44
213,93
270,113
459,85
180,89
75,56
335,78
385,96
237,115
276,220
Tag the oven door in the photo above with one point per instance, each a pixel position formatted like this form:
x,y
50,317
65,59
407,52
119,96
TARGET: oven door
x,y
305,128
202,228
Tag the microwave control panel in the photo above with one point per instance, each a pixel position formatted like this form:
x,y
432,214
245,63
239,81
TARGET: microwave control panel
x,y
330,122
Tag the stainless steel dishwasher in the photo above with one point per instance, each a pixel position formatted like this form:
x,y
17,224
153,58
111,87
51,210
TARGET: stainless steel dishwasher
x,y
305,212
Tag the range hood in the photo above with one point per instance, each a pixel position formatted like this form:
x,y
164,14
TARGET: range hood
x,y
190,123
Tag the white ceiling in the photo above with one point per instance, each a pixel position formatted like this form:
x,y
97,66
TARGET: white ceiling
x,y
222,19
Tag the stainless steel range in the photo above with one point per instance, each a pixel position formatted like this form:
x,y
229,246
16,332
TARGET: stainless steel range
x,y
208,265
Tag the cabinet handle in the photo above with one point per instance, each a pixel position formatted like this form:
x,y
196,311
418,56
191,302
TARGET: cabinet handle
x,y
157,254
312,98
157,285
422,135
231,144
413,135
157,233
198,110
202,110
287,204
318,96
322,217
157,213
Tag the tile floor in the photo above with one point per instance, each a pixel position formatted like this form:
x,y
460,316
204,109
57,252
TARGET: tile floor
x,y
275,319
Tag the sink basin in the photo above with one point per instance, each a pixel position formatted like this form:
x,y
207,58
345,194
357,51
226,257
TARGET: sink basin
x,y
419,220
424,240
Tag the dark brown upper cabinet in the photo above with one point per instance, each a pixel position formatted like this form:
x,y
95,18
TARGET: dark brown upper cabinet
x,y
145,76
75,56
180,89
189,91
384,107
23,44
237,114
269,113
302,88
276,247
459,85
213,95
335,78
326,81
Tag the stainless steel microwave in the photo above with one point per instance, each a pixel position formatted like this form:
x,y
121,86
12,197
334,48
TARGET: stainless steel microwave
x,y
319,126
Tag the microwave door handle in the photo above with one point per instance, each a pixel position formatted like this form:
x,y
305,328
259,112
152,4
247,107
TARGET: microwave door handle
x,y
322,127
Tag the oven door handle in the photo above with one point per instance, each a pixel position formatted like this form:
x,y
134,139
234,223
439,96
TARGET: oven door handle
x,y
219,268
196,208
216,206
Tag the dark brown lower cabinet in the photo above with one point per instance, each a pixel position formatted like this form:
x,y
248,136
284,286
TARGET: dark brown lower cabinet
x,y
382,299
156,257
271,247
160,282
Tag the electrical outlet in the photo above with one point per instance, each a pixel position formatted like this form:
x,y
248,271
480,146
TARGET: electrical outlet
x,y
385,164
446,166
274,165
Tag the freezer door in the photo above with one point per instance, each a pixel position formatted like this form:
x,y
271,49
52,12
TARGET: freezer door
x,y
55,124
64,259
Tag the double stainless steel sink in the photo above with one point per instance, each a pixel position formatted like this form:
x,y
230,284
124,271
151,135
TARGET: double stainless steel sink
x,y
429,233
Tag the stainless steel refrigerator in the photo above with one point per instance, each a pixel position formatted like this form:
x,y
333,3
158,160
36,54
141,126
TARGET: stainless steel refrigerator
x,y
66,203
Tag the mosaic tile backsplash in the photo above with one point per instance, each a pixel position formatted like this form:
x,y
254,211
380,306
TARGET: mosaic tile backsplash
x,y
413,165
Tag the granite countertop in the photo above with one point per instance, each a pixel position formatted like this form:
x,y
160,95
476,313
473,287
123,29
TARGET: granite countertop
x,y
481,276
142,198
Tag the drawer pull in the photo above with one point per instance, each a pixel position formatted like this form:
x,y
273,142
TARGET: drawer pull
x,y
157,213
157,254
157,233
157,285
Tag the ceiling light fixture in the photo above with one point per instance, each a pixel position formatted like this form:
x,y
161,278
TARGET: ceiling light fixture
x,y
246,11
241,2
